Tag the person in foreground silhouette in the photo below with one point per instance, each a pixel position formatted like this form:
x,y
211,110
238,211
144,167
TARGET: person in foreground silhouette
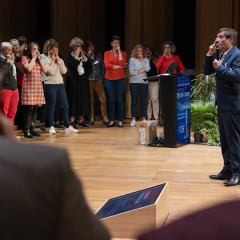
x,y
41,197
219,222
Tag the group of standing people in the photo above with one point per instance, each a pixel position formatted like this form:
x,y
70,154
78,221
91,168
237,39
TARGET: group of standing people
x,y
30,84
142,64
35,79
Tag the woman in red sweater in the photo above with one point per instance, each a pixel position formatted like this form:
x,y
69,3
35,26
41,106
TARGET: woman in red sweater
x,y
164,60
115,62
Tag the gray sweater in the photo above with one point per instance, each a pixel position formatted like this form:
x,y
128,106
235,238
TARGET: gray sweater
x,y
134,66
54,74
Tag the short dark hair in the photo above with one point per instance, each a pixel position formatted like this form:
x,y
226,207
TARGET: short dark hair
x,y
29,49
116,38
89,43
148,46
229,32
171,44
23,40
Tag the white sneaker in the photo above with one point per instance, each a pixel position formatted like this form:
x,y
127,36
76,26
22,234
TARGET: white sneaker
x,y
17,137
70,129
133,123
52,130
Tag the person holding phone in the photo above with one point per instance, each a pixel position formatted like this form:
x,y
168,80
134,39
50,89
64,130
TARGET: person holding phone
x,y
32,90
54,88
115,63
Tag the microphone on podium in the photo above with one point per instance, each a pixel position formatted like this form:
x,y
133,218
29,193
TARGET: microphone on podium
x,y
218,51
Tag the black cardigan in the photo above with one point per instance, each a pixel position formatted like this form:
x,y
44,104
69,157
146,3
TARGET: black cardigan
x,y
9,81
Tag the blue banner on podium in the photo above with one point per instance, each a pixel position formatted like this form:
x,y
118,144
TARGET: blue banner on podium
x,y
183,110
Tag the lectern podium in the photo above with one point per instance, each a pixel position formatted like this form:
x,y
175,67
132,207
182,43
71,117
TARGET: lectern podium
x,y
175,97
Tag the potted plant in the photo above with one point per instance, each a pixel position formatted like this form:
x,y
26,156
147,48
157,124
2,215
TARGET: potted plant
x,y
211,125
204,88
203,112
197,113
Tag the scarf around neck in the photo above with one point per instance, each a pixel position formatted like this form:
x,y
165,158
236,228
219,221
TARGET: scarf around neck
x,y
14,70
80,66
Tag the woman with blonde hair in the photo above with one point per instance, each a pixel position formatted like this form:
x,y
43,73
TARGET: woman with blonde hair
x,y
77,86
138,67
54,88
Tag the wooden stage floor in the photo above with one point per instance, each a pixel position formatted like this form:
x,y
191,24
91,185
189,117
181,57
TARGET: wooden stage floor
x,y
110,163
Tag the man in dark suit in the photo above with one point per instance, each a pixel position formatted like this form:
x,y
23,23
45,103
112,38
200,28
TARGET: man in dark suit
x,y
227,69
40,196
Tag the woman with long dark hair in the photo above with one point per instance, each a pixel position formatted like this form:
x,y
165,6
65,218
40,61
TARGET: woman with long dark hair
x,y
32,90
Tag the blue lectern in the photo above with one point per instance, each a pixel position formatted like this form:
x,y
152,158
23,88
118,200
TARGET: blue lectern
x,y
175,97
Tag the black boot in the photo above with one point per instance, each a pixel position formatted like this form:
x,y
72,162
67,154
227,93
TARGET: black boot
x,y
32,127
27,133
27,122
33,131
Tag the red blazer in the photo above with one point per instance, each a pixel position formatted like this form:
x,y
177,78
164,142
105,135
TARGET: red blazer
x,y
110,60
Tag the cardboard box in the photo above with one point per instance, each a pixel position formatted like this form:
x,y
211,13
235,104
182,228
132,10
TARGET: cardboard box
x,y
145,131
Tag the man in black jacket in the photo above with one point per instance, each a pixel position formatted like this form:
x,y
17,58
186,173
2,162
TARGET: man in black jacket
x,y
227,69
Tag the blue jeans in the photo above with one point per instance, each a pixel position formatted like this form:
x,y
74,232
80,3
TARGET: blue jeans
x,y
54,92
115,93
142,89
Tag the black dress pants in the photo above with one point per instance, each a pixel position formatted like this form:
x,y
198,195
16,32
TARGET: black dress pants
x,y
229,129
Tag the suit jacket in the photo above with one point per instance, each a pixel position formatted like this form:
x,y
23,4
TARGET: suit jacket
x,y
228,79
220,222
40,196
